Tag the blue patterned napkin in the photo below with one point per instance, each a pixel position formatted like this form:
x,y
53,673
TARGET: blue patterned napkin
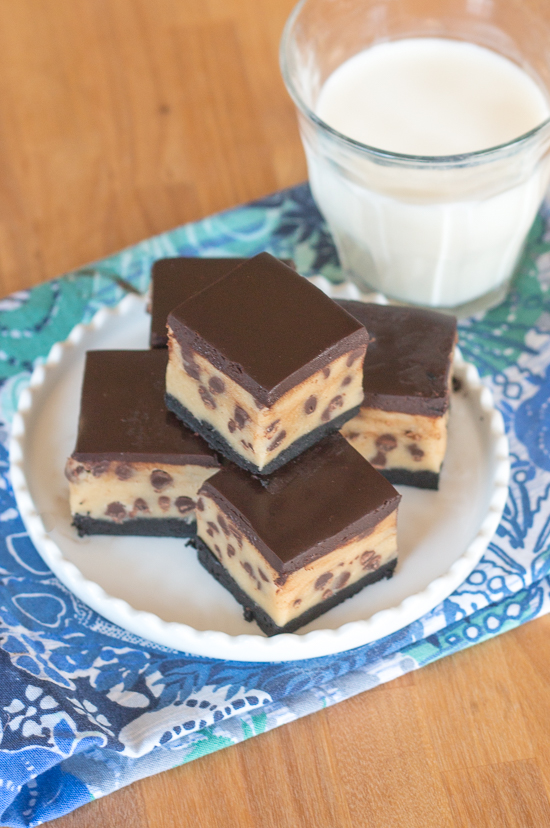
x,y
86,707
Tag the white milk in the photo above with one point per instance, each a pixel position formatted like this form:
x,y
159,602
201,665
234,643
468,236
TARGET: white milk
x,y
420,233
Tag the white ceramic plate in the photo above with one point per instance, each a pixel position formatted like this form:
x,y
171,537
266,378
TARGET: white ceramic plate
x,y
155,587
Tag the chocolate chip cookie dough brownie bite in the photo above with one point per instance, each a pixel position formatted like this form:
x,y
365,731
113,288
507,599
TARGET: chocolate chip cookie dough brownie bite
x,y
135,469
262,364
294,545
401,427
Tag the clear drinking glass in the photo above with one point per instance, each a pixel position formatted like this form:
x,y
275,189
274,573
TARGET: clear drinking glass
x,y
439,231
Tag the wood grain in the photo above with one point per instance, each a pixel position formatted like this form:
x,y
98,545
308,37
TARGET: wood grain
x,y
122,119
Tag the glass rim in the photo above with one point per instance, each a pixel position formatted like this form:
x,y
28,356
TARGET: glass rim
x,y
460,159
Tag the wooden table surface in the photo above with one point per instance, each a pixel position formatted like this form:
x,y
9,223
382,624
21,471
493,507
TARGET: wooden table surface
x,y
124,118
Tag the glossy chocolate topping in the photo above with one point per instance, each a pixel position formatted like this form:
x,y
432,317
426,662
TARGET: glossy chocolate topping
x,y
123,415
315,503
266,327
177,279
409,357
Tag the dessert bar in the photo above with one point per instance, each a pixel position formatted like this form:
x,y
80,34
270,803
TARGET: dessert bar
x,y
294,545
135,469
262,364
401,427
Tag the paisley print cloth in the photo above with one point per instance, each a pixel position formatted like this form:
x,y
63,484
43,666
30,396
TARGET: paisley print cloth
x,y
86,707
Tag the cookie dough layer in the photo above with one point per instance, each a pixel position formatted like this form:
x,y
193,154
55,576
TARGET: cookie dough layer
x,y
405,448
261,439
113,497
253,612
287,599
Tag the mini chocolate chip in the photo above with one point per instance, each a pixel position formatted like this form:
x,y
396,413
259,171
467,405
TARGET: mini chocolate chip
x,y
216,385
164,503
352,435
124,471
310,404
100,468
223,524
336,402
263,575
241,417
281,580
140,505
353,356
342,580
192,369
217,549
366,557
379,460
297,602
160,479
213,527
323,580
248,569
249,446
116,511
416,453
326,373
328,593
231,550
347,380
386,442
200,504
271,428
277,441
232,426
373,563
207,398
457,384
184,504
412,435
73,472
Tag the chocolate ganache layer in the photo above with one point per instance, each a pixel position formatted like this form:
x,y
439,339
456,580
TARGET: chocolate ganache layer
x,y
176,279
265,327
311,506
408,359
123,415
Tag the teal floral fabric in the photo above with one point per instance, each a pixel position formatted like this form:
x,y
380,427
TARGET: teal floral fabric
x,y
86,707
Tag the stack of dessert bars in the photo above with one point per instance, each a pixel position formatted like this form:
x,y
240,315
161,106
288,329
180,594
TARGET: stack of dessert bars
x,y
268,423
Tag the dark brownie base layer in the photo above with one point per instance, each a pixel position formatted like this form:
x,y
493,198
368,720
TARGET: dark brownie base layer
x,y
404,477
145,527
253,612
218,443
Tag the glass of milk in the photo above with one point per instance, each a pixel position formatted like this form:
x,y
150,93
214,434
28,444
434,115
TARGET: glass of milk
x,y
426,127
